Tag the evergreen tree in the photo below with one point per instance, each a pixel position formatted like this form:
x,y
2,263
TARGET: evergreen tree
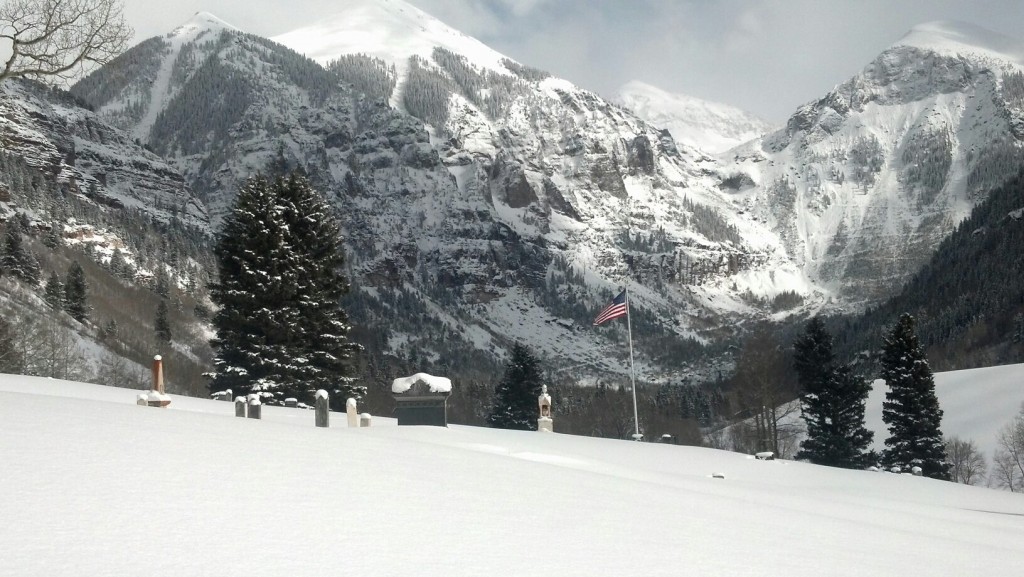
x,y
17,260
280,326
161,325
162,287
76,293
831,403
10,359
53,293
322,335
515,398
252,320
911,409
54,237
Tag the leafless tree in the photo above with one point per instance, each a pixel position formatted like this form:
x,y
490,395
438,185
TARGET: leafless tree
x,y
968,463
764,393
55,40
1008,462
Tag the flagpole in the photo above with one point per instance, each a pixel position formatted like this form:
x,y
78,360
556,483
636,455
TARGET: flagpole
x,y
632,377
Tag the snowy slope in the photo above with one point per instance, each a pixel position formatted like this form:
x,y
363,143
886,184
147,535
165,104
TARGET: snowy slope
x,y
976,404
863,183
96,485
709,126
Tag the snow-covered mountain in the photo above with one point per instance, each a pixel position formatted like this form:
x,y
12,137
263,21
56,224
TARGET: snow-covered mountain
x,y
506,204
863,183
485,201
58,136
709,126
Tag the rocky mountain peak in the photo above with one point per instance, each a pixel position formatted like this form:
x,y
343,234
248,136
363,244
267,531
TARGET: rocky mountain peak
x,y
200,23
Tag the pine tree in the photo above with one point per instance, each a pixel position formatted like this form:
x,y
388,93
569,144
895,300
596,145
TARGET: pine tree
x,y
54,237
515,398
831,403
253,322
322,334
53,293
911,409
17,260
76,293
10,358
280,326
161,324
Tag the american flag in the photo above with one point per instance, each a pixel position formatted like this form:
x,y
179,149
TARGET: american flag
x,y
618,308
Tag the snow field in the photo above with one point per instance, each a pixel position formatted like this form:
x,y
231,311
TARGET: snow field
x,y
95,485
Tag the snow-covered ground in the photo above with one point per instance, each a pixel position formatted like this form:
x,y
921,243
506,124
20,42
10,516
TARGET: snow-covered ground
x,y
94,485
976,403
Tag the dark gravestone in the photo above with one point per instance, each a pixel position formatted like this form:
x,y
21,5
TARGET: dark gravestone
x,y
421,403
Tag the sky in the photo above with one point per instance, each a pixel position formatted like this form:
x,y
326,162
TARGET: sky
x,y
765,56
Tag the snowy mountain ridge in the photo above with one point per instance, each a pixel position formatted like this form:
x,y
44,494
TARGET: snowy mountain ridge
x,y
488,198
709,126
953,38
863,183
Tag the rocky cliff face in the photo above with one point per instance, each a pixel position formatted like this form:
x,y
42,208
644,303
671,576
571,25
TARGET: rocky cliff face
x,y
863,183
55,134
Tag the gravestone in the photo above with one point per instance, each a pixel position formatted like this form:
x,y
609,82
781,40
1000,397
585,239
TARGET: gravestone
x,y
255,407
323,414
352,413
421,399
240,406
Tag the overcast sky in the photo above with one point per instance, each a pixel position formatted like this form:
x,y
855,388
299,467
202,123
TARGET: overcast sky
x,y
766,56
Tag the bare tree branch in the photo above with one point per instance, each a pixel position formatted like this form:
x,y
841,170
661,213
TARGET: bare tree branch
x,y
54,41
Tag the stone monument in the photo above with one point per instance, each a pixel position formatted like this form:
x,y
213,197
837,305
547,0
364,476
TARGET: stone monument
x,y
422,399
351,413
545,423
157,396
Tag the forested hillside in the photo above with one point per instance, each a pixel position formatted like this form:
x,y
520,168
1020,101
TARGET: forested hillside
x,y
969,298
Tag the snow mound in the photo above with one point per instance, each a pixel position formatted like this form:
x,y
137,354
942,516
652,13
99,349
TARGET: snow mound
x,y
961,38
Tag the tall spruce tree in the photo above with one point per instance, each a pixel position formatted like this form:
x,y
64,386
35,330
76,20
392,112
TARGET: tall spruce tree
x,y
53,292
17,260
515,398
252,322
11,360
911,409
161,324
280,325
832,403
76,293
322,335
